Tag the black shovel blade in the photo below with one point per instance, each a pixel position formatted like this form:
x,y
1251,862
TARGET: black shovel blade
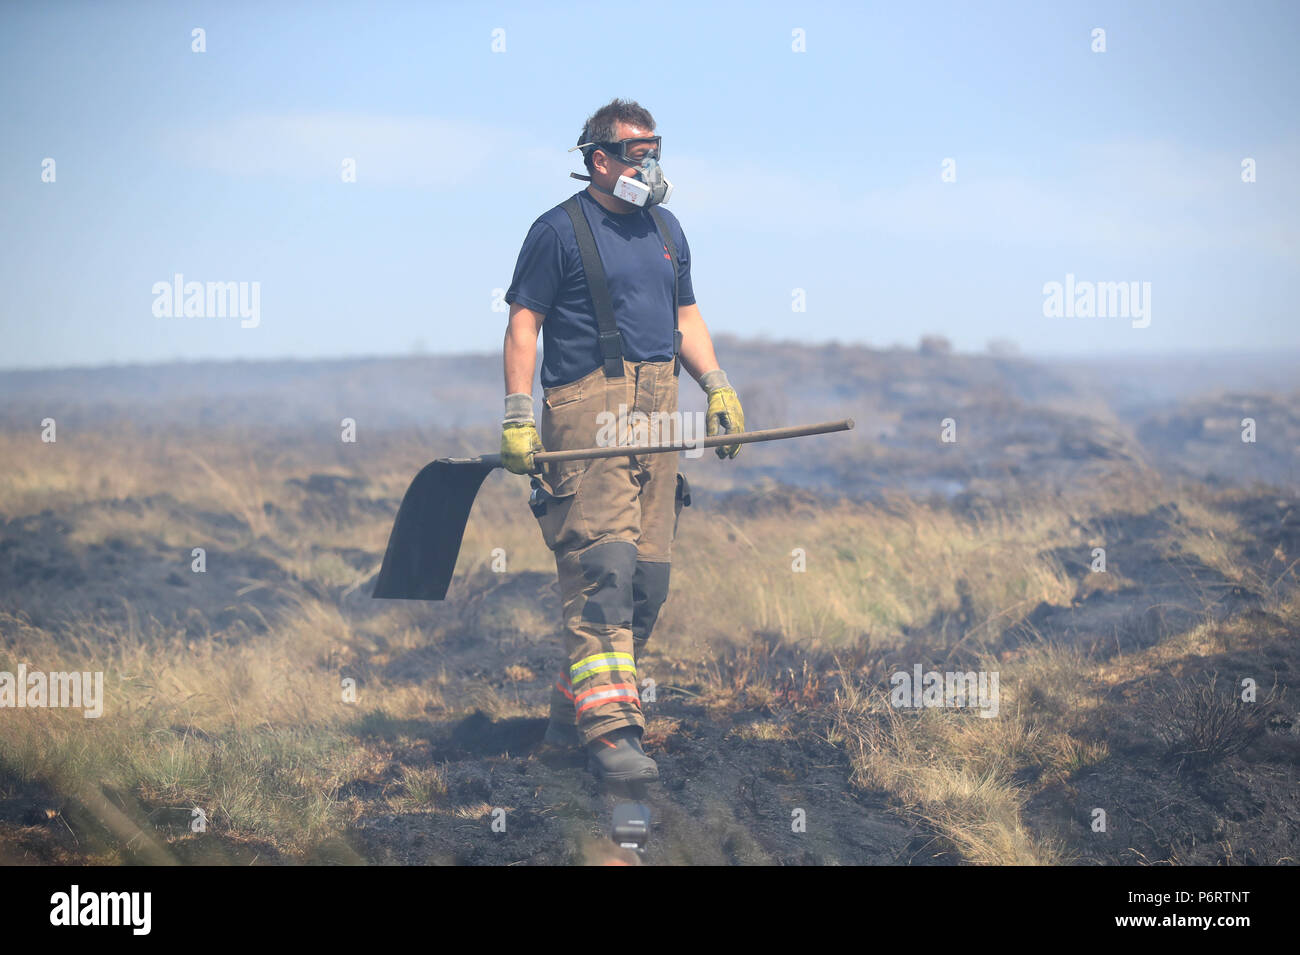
x,y
425,541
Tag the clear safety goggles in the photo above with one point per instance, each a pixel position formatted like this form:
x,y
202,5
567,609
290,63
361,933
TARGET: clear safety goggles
x,y
630,152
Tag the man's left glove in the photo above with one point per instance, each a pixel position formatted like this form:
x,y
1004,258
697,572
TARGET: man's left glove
x,y
519,437
725,416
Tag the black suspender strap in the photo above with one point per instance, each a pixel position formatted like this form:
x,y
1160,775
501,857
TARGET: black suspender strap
x,y
611,343
672,250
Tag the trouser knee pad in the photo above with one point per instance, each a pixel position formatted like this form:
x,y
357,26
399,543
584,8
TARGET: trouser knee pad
x,y
649,591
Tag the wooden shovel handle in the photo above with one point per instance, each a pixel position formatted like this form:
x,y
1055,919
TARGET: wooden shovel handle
x,y
720,440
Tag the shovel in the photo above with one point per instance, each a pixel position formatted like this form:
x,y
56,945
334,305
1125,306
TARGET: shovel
x,y
425,541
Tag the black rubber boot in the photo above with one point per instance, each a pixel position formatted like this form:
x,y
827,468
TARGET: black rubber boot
x,y
617,757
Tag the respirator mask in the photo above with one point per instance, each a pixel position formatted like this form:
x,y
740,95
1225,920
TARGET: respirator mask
x,y
647,186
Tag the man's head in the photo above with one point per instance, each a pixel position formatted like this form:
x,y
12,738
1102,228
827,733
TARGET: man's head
x,y
615,121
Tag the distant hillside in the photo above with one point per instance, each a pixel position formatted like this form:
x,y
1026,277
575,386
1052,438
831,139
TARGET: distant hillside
x,y
1017,419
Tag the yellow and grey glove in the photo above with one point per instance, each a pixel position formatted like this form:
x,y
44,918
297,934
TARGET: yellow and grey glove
x,y
519,437
725,416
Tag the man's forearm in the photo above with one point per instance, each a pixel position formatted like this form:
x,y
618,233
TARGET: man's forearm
x,y
697,346
520,362
520,351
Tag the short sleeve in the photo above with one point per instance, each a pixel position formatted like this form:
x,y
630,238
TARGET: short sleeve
x,y
539,272
685,291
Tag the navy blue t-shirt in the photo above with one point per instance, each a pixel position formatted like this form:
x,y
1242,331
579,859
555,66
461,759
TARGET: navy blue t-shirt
x,y
638,270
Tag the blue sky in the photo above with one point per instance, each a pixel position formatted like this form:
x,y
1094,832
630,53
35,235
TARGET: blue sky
x,y
816,170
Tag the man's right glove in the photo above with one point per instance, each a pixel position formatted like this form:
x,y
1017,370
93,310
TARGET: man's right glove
x,y
519,437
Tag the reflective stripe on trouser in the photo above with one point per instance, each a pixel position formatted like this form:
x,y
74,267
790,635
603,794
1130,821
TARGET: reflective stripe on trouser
x,y
610,524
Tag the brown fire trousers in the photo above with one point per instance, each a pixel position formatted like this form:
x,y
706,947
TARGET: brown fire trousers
x,y
610,523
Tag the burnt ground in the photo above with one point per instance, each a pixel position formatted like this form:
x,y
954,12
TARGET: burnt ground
x,y
1190,804
726,794
118,579
732,776
721,799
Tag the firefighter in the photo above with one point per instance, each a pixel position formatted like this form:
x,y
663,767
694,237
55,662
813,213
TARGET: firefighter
x,y
605,277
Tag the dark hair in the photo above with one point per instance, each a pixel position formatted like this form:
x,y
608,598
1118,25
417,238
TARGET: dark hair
x,y
599,127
